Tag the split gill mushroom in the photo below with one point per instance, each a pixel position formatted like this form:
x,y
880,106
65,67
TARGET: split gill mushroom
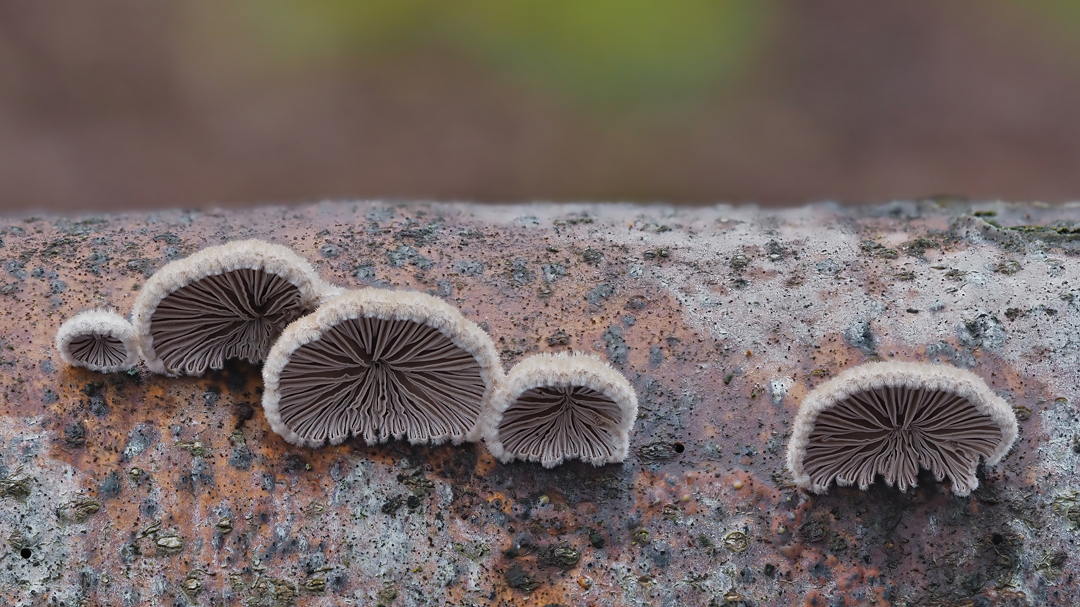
x,y
555,407
380,364
895,418
224,302
98,340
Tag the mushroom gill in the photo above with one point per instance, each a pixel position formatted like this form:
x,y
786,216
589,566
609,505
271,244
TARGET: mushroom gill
x,y
98,340
891,419
557,407
378,365
224,302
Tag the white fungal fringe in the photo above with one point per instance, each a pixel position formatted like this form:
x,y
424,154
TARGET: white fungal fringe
x,y
99,340
380,364
554,407
912,415
263,287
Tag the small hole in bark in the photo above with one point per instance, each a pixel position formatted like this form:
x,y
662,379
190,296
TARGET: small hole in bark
x,y
679,447
26,553
996,539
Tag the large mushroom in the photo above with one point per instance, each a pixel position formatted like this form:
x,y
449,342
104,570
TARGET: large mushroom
x,y
557,407
98,340
224,302
893,418
380,364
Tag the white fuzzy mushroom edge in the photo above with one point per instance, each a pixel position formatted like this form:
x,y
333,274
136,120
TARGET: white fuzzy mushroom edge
x,y
870,376
98,322
251,254
562,370
384,305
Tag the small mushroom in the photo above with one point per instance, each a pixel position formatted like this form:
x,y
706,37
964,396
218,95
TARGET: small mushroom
x,y
554,407
99,340
893,418
224,302
380,364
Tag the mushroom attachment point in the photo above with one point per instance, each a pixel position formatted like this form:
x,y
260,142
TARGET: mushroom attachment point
x,y
98,340
224,302
893,418
380,364
557,407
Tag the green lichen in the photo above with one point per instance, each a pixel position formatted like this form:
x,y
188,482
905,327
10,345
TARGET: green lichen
x,y
671,512
315,585
517,577
874,249
192,585
416,482
737,541
84,509
1007,267
641,536
562,556
474,551
78,511
15,487
196,448
387,595
1068,505
918,247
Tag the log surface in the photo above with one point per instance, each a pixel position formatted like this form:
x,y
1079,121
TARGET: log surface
x,y
133,489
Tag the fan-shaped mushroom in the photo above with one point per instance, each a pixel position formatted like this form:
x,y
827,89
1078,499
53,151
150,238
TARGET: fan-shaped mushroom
x,y
893,418
557,407
224,302
380,364
98,340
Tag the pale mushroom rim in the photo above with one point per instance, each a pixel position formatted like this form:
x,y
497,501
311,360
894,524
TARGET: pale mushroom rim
x,y
250,254
100,322
385,305
874,375
562,370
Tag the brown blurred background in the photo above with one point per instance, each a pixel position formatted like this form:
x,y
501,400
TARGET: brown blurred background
x,y
120,104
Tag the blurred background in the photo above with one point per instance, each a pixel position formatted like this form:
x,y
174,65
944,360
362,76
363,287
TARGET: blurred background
x,y
119,104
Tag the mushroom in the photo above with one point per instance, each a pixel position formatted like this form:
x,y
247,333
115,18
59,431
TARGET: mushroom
x,y
224,302
380,364
893,418
99,340
554,407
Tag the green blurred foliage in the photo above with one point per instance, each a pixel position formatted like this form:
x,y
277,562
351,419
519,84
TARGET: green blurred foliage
x,y
1064,15
610,52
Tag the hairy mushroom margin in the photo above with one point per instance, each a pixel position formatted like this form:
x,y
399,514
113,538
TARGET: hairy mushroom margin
x,y
98,340
380,364
225,302
555,407
893,418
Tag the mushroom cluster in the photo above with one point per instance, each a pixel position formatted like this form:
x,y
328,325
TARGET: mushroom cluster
x,y
892,419
378,365
373,363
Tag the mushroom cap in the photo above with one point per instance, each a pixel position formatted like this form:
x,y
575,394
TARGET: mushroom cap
x,y
596,409
227,301
380,364
892,418
99,340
